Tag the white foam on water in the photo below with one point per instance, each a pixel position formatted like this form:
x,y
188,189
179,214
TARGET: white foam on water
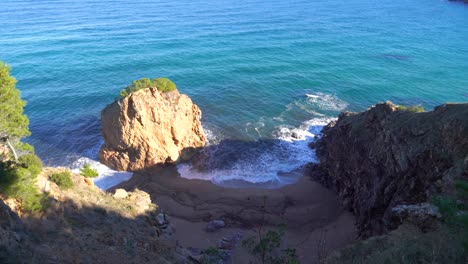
x,y
291,153
326,102
289,149
107,177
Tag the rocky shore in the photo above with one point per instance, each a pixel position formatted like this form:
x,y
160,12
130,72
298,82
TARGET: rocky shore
x,y
378,171
388,157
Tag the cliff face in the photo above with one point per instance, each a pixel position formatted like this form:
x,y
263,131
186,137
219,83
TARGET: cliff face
x,y
85,225
384,157
149,127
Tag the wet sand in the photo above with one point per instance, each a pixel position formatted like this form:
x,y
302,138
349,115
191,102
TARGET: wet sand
x,y
316,223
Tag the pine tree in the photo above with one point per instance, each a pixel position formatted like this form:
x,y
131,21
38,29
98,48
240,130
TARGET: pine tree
x,y
13,123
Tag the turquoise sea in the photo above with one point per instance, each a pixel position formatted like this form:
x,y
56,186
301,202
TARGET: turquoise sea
x,y
266,74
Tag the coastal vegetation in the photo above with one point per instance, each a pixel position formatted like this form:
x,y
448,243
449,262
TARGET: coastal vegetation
x,y
13,124
162,84
413,108
454,210
19,166
265,247
62,179
88,172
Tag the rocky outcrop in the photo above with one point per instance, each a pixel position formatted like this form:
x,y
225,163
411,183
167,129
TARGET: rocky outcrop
x,y
384,157
150,127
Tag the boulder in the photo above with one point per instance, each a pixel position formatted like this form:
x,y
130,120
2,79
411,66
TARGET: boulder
x,y
230,241
120,194
150,127
88,181
141,199
214,225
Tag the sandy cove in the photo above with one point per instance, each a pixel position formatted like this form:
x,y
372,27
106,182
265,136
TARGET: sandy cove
x,y
316,223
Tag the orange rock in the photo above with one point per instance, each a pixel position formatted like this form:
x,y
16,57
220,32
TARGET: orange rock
x,y
88,181
150,127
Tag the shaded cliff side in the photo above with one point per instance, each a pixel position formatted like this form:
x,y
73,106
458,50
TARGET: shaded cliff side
x,y
84,224
385,157
149,127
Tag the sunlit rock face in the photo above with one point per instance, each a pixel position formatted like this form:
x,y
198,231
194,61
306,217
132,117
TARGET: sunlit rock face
x,y
150,127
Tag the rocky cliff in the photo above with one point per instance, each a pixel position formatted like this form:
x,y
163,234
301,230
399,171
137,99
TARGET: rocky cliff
x,y
149,127
385,157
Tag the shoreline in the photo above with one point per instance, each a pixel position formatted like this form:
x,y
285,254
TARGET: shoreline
x,y
316,222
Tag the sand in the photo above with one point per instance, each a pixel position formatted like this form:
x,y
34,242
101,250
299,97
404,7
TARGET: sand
x,y
316,224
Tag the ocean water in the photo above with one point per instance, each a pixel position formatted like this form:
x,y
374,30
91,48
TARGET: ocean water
x,y
266,74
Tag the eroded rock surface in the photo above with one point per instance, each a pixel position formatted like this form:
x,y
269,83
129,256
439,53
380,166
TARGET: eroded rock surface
x,y
384,157
150,127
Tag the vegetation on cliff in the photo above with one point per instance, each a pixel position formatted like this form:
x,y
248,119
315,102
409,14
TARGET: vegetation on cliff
x,y
445,242
63,179
162,84
13,124
413,108
19,166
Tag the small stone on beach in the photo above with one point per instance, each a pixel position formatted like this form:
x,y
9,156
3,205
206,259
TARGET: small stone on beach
x,y
214,225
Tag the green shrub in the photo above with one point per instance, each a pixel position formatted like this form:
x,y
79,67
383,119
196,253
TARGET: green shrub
x,y
213,255
414,108
454,210
266,247
89,172
20,183
32,162
162,84
62,179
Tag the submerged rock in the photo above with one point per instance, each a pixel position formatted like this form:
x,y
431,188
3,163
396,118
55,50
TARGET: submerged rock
x,y
150,127
385,157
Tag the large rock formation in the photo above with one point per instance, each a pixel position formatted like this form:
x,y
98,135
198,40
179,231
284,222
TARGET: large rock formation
x,y
385,157
149,127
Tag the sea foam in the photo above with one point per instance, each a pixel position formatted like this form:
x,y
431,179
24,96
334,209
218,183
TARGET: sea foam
x,y
107,177
266,162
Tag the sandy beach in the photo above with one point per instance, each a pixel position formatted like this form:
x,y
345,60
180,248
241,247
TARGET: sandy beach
x,y
316,223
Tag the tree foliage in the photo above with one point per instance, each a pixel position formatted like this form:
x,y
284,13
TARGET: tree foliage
x,y
17,177
162,84
13,124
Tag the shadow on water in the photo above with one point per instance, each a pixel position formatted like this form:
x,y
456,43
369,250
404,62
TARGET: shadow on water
x,y
230,153
58,144
264,163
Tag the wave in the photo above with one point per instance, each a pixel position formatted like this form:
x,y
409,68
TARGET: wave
x,y
326,102
264,163
107,177
269,161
